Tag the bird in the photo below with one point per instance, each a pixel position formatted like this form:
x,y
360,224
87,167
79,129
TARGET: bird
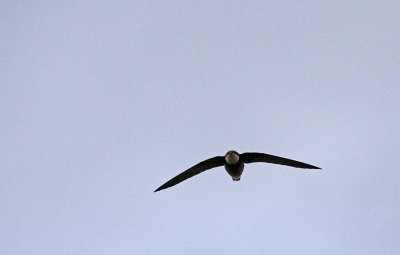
x,y
234,165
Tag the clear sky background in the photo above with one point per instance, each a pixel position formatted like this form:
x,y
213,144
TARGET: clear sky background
x,y
102,102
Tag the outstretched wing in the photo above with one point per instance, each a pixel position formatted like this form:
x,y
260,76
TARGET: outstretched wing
x,y
251,157
196,169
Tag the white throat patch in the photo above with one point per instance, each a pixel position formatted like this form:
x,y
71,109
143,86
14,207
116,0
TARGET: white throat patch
x,y
231,158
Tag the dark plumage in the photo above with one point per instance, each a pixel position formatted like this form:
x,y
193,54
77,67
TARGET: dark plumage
x,y
234,165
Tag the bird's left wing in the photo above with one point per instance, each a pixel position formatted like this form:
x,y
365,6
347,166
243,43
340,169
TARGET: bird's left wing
x,y
251,157
196,169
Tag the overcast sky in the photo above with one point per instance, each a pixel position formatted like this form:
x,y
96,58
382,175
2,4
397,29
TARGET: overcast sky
x,y
102,102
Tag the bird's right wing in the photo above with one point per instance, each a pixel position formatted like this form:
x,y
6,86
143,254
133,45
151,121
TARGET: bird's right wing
x,y
196,169
251,157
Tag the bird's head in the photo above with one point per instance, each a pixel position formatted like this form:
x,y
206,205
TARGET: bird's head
x,y
231,157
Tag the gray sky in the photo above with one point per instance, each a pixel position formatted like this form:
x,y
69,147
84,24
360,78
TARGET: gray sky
x,y
101,103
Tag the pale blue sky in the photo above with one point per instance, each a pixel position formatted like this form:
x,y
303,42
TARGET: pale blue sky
x,y
102,102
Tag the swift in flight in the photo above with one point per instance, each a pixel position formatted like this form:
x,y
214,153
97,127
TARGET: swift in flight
x,y
234,165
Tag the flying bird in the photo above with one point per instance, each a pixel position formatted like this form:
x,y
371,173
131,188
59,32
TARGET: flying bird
x,y
234,165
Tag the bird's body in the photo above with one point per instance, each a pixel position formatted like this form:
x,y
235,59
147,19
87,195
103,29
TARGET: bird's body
x,y
234,165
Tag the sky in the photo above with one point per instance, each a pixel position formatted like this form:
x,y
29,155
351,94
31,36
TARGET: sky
x,y
103,102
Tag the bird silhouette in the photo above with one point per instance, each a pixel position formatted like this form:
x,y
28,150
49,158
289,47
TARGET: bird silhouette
x,y
234,165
